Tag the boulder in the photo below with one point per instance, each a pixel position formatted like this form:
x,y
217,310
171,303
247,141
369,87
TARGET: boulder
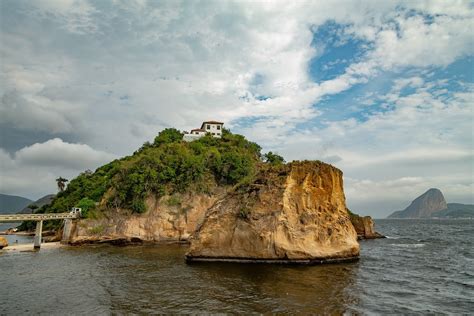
x,y
364,226
3,242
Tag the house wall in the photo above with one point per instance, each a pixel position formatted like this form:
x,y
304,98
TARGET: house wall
x,y
191,137
198,133
213,129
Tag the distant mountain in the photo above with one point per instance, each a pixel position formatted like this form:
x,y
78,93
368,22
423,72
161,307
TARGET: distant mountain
x,y
456,210
432,204
10,204
45,200
423,206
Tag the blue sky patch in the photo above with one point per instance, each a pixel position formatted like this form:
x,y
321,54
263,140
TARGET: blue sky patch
x,y
336,51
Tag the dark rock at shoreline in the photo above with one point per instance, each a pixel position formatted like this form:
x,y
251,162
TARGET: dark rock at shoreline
x,y
119,241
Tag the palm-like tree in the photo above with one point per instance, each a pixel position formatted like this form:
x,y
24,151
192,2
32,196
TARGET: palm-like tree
x,y
61,183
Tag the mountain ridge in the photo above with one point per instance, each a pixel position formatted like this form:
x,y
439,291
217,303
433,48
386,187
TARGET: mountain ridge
x,y
11,204
45,200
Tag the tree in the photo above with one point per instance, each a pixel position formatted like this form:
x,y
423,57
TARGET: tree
x,y
167,136
273,158
61,183
33,207
86,204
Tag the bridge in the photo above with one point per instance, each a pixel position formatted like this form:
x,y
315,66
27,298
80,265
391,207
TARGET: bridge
x,y
39,218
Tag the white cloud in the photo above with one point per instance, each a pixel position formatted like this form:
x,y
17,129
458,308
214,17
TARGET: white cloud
x,y
55,152
74,15
37,113
31,171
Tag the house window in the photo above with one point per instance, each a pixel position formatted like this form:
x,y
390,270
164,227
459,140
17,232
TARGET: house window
x,y
213,133
208,126
218,127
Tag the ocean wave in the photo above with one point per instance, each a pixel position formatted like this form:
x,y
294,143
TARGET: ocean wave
x,y
409,245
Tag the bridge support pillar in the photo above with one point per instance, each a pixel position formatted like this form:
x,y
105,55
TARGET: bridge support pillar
x,y
38,234
67,231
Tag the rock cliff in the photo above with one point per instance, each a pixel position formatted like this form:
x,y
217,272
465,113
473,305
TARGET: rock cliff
x,y
291,213
423,206
170,218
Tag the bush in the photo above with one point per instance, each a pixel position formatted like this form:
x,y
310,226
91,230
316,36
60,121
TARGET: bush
x,y
244,213
273,158
168,136
97,229
173,201
86,205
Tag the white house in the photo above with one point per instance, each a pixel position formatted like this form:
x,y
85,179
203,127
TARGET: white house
x,y
212,127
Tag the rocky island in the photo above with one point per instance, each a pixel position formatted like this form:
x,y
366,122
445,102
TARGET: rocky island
x,y
221,195
294,213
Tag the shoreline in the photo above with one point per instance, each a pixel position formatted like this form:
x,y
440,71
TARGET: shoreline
x,y
6,233
29,247
309,261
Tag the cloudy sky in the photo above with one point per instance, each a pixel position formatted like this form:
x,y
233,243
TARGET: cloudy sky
x,y
383,90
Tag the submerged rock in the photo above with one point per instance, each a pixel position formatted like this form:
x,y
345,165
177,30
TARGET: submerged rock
x,y
292,213
3,242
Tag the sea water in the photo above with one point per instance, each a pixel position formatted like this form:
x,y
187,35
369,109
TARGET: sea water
x,y
424,267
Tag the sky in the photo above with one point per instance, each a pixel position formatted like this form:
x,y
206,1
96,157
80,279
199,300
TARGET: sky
x,y
383,90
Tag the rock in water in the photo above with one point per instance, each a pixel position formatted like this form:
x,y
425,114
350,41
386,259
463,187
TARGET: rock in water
x,y
3,242
364,226
423,206
291,213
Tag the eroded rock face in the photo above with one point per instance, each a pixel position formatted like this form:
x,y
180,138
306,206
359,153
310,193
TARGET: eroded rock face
x,y
294,213
165,220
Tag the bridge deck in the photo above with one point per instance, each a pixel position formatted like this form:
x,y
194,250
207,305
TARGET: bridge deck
x,y
37,217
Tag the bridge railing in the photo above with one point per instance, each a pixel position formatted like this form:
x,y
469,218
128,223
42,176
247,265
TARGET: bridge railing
x,y
37,217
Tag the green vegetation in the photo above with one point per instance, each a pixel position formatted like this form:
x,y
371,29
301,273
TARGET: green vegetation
x,y
86,206
165,167
273,158
97,229
173,201
244,213
33,207
61,182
